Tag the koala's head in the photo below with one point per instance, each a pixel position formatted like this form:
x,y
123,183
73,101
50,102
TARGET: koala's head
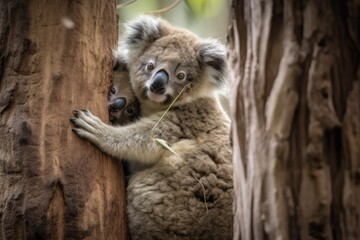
x,y
163,59
123,105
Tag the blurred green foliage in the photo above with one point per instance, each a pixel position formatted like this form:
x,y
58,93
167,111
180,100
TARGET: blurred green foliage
x,y
207,18
206,8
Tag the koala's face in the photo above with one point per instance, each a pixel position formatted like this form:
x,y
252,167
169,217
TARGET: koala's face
x,y
164,59
123,105
164,69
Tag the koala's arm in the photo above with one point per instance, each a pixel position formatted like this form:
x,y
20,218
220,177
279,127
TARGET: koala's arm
x,y
133,142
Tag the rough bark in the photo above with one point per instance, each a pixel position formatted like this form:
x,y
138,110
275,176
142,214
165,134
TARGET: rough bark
x,y
54,185
296,112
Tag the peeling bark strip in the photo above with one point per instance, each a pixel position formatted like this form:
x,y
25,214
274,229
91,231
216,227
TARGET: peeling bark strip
x,y
296,112
55,56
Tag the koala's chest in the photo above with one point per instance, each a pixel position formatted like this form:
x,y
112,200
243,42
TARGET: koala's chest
x,y
173,172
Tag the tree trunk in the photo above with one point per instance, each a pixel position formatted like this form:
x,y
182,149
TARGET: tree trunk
x,y
56,56
296,112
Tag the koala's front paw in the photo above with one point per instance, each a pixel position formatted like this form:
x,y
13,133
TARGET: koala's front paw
x,y
88,126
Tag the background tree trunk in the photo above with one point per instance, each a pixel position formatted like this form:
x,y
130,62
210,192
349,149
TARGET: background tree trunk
x,y
56,56
296,111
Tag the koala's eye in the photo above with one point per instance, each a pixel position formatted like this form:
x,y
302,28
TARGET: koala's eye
x,y
113,90
180,76
150,66
130,110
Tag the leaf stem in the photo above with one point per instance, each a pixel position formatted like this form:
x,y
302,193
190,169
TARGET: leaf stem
x,y
164,144
172,103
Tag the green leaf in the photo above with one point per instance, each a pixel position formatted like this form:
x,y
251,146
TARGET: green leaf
x,y
165,145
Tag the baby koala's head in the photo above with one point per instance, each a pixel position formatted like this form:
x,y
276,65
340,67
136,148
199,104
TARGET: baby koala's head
x,y
123,106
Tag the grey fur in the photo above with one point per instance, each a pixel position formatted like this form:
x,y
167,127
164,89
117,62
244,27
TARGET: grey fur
x,y
212,54
141,32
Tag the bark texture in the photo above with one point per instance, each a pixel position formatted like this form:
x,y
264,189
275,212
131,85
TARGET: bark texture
x,y
56,56
296,112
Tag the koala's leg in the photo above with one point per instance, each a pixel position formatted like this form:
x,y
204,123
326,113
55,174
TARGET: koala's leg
x,y
124,142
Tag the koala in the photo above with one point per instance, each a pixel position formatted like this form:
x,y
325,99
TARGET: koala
x,y
185,193
123,106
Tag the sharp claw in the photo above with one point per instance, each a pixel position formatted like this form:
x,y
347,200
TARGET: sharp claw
x,y
76,113
73,119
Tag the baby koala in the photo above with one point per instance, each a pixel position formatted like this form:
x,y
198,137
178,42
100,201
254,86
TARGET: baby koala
x,y
123,106
185,193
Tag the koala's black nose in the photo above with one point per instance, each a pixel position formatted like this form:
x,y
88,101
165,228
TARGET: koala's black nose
x,y
117,104
160,80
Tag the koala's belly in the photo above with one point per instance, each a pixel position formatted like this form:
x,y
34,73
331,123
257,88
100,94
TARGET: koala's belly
x,y
167,201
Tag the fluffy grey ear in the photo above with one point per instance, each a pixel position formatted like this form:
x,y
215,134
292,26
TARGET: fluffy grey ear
x,y
211,56
120,56
141,32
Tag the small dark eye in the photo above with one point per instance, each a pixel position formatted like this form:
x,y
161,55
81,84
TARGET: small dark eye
x,y
129,110
113,90
180,76
150,66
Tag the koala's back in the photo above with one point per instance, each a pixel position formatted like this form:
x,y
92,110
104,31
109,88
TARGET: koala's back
x,y
187,197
